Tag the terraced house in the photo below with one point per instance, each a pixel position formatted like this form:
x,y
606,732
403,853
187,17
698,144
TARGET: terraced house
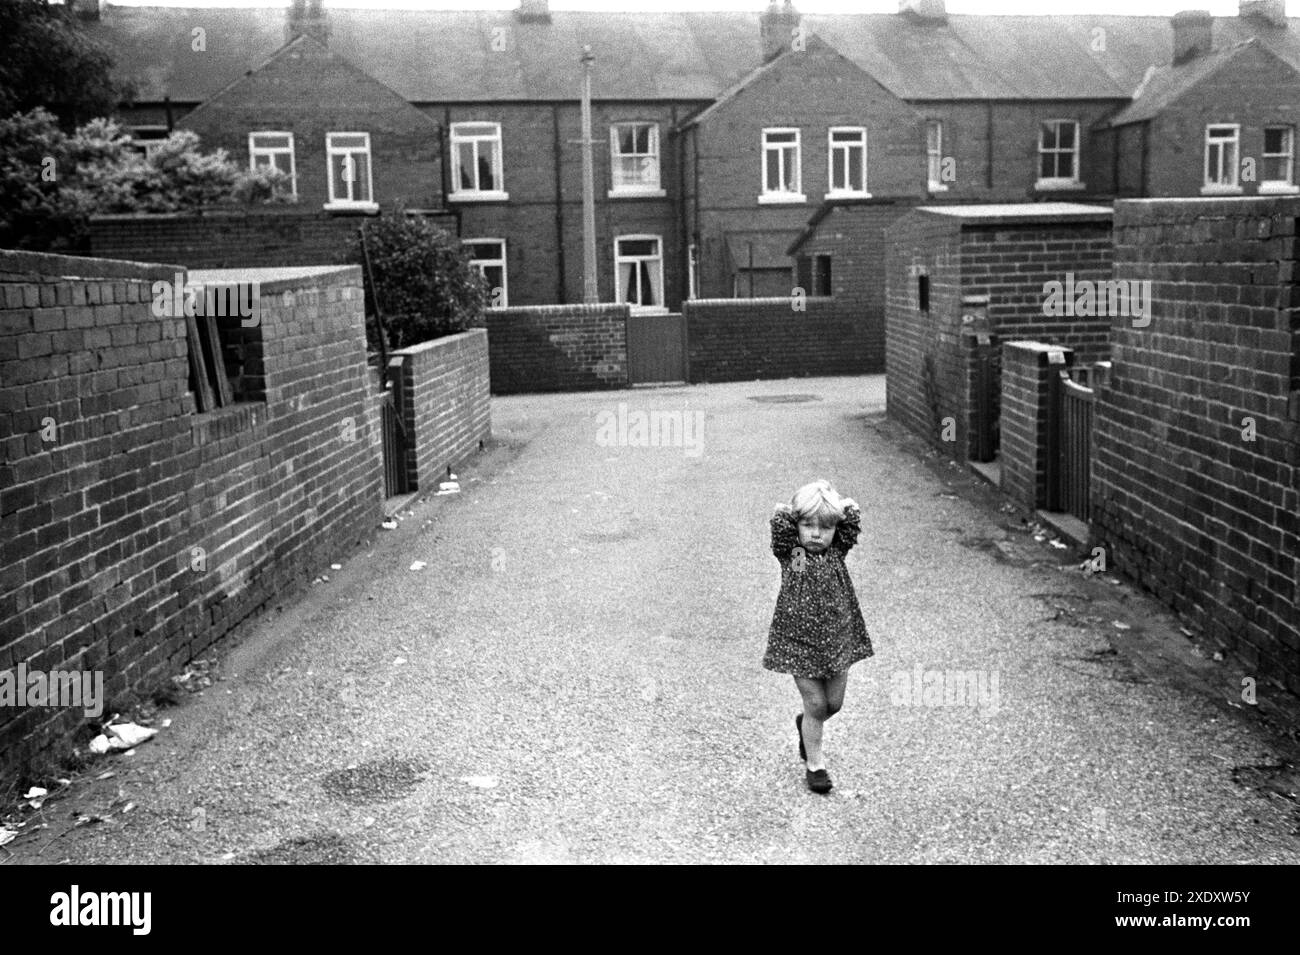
x,y
725,140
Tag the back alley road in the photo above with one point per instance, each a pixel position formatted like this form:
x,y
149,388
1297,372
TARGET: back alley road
x,y
575,677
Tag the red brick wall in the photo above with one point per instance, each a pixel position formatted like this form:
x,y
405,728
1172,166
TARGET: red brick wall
x,y
219,239
1010,173
1025,407
444,402
1255,89
557,348
744,339
100,525
1008,262
1207,520
308,91
812,91
530,220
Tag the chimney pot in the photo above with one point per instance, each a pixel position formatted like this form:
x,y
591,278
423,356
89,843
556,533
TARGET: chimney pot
x,y
1193,34
776,28
1271,12
924,11
534,11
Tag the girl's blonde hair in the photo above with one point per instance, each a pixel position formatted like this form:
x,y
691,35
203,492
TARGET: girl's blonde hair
x,y
818,500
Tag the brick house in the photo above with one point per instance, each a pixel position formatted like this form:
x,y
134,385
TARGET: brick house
x,y
953,108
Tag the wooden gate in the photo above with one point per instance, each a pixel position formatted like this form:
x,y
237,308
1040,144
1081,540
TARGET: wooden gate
x,y
656,348
1071,433
392,426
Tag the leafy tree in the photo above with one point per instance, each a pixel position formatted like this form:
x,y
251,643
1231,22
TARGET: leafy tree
x,y
51,183
46,60
422,276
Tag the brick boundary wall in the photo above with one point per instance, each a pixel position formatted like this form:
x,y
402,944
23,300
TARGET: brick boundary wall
x,y
747,338
445,403
1007,261
145,531
1206,520
1026,377
231,239
557,347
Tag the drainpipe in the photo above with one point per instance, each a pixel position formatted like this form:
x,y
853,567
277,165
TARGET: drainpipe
x,y
561,291
989,139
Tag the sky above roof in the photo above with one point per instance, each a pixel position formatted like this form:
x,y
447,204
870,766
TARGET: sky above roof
x,y
1022,7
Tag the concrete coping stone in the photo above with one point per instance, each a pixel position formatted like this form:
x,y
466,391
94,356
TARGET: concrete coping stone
x,y
46,265
276,279
433,344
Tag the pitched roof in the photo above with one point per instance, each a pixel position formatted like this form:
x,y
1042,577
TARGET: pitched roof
x,y
1167,84
448,55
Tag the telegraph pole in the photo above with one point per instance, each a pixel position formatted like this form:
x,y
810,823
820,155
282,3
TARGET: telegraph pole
x,y
590,294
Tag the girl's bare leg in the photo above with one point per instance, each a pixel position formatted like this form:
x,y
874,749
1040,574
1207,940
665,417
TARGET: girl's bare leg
x,y
835,687
815,713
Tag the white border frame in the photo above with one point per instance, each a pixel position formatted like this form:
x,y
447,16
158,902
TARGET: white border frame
x,y
618,259
330,152
253,152
831,191
505,268
1232,188
775,198
457,194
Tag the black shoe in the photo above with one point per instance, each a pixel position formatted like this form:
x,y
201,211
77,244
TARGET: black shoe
x,y
798,724
819,781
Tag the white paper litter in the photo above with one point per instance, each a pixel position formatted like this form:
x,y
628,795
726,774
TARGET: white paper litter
x,y
336,566
36,792
1121,626
448,487
482,782
121,737
418,565
389,525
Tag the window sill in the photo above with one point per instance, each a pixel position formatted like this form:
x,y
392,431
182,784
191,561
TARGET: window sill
x,y
370,208
636,194
1217,190
937,187
1278,188
647,309
1059,185
491,195
846,194
781,198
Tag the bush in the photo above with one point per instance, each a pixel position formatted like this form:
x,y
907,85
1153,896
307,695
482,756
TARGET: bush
x,y
426,286
97,170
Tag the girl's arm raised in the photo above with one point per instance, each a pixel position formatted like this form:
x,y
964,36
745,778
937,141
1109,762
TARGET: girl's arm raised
x,y
849,527
785,532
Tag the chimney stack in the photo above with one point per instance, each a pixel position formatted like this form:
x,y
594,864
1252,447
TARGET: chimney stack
x,y
924,11
776,27
86,9
1193,31
533,11
1271,12
306,17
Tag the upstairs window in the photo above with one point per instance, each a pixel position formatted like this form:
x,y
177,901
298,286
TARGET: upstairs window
x,y
848,160
934,155
488,256
1277,171
147,139
349,169
476,161
1222,148
781,166
1058,153
276,151
634,159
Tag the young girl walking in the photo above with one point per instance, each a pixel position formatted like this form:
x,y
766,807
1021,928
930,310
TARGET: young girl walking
x,y
817,631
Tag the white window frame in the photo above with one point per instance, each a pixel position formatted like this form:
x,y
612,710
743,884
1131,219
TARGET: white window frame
x,y
620,190
254,151
770,196
482,264
620,259
457,138
831,147
1060,182
149,145
1288,185
934,156
367,205
1212,187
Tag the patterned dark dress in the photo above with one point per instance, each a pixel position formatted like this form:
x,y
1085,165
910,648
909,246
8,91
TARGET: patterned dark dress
x,y
817,630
